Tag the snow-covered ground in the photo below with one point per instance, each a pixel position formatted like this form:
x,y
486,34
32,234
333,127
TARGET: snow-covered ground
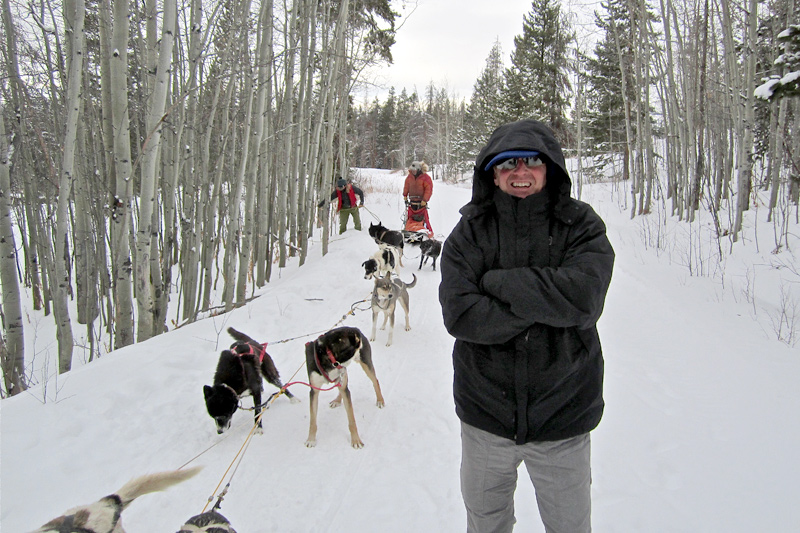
x,y
700,430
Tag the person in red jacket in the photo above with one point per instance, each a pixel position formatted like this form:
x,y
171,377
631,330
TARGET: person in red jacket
x,y
418,183
346,193
417,191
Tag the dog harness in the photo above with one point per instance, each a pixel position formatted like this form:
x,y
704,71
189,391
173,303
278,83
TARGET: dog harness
x,y
259,355
331,358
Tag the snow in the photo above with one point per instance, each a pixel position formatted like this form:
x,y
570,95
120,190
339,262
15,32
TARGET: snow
x,y
700,430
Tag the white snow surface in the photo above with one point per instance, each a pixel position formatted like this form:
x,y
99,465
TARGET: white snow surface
x,y
700,431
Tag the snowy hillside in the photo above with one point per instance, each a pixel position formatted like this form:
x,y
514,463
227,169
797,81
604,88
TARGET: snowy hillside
x,y
699,434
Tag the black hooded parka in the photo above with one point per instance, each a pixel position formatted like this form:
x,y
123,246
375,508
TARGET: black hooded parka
x,y
524,282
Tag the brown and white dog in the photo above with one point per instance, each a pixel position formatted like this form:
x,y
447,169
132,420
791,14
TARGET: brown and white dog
x,y
104,515
326,360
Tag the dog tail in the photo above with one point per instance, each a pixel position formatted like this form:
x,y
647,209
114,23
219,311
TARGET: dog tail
x,y
154,483
241,337
409,285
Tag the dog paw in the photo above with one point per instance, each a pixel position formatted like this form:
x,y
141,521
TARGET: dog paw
x,y
380,404
335,403
294,400
408,328
311,443
259,430
356,443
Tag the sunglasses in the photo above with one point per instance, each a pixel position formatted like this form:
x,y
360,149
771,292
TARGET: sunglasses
x,y
511,163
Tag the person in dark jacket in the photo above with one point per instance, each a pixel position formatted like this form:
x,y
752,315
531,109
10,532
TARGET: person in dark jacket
x,y
524,279
345,193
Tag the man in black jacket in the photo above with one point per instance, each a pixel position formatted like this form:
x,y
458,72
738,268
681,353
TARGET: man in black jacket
x,y
524,279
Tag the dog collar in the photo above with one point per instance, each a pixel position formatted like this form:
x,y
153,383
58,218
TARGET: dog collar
x,y
331,358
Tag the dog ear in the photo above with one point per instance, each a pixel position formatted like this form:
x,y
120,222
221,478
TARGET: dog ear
x,y
207,391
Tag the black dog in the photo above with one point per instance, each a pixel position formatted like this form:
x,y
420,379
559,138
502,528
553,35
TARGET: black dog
x,y
326,359
384,235
208,522
239,370
430,248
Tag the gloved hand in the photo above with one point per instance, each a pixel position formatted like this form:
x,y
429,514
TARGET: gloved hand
x,y
423,203
405,200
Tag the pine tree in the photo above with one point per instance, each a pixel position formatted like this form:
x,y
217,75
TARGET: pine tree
x,y
777,86
485,110
605,110
537,84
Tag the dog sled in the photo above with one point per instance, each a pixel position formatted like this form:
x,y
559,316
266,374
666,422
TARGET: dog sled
x,y
417,224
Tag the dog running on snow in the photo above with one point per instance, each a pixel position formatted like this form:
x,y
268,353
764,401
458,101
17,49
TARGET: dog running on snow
x,y
239,371
104,515
326,360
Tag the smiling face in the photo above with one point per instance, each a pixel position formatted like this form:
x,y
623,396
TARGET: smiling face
x,y
522,180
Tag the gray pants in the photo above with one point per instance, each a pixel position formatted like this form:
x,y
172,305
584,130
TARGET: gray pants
x,y
560,472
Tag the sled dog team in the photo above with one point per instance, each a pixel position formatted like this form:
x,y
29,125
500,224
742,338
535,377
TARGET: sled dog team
x,y
240,370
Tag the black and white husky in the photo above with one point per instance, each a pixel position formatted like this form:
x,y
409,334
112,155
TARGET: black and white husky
x,y
239,371
383,261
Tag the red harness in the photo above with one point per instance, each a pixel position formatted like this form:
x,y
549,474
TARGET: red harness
x,y
261,353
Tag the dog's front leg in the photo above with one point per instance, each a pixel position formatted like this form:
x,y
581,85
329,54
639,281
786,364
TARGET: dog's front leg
x,y
374,323
355,440
313,400
391,328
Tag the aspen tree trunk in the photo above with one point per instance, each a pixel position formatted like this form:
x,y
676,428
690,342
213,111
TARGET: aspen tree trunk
x,y
74,21
262,248
189,173
777,135
145,230
286,182
23,162
12,352
120,215
627,107
235,226
248,258
745,171
304,132
330,86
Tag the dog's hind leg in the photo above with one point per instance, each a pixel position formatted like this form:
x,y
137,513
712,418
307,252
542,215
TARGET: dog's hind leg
x,y
404,303
257,411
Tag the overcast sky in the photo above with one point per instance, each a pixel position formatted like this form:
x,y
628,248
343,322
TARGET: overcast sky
x,y
448,41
